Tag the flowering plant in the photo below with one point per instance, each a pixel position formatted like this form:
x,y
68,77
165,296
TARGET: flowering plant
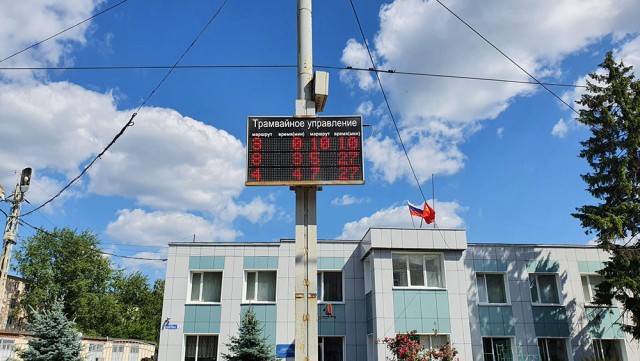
x,y
406,347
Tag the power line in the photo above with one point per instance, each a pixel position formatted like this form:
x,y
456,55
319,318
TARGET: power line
x,y
65,30
384,95
130,123
349,68
508,58
25,223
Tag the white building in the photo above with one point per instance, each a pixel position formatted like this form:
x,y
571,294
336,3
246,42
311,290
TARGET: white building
x,y
493,302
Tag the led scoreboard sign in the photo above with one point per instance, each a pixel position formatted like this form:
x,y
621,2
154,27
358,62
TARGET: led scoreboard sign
x,y
304,151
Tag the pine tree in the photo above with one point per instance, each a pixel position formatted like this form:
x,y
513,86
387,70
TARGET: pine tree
x,y
611,110
250,344
55,337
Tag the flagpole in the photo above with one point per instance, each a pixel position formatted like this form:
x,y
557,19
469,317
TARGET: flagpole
x,y
433,192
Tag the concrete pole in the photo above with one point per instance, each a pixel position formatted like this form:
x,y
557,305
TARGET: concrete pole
x,y
9,237
306,300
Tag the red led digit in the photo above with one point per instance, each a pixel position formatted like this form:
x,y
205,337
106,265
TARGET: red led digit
x,y
341,139
256,174
353,156
297,174
354,172
314,158
314,172
314,143
342,158
296,143
256,143
325,143
353,143
342,173
256,159
297,158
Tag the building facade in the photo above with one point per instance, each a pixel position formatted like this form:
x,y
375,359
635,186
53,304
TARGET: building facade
x,y
93,348
493,302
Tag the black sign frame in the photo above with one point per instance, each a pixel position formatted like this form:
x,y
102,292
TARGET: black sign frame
x,y
304,151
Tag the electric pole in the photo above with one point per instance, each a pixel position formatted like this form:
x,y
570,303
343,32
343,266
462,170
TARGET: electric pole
x,y
10,231
306,298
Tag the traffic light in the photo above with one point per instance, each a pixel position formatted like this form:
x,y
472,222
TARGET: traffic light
x,y
25,180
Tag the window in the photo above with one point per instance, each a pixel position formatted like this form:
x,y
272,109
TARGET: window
x,y
608,350
201,348
589,283
95,352
433,341
330,286
491,288
552,349
417,270
497,349
544,288
330,349
261,286
6,348
133,353
117,352
206,286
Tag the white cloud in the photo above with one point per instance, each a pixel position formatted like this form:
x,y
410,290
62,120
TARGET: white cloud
x,y
365,108
158,228
355,55
23,24
422,36
560,130
347,200
447,216
171,162
500,132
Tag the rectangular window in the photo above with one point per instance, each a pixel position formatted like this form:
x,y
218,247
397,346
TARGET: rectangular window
x,y
417,270
260,286
589,283
544,288
133,352
607,349
206,286
330,349
491,288
95,352
433,341
117,352
201,348
497,349
552,349
330,286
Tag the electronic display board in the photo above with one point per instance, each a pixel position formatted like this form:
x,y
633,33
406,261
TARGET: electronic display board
x,y
304,151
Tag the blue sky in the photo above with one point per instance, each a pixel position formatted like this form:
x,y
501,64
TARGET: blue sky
x,y
504,155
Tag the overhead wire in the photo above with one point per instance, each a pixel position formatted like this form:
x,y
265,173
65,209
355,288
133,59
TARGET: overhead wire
x,y
507,57
40,229
130,123
63,31
347,68
386,100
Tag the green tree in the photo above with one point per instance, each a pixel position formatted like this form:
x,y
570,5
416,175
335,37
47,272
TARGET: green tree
x,y
64,264
250,344
611,110
140,306
55,337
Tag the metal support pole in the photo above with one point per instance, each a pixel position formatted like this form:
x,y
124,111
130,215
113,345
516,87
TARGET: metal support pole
x,y
306,301
9,237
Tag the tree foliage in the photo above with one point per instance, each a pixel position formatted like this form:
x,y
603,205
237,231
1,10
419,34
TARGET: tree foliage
x,y
55,337
611,110
102,300
250,344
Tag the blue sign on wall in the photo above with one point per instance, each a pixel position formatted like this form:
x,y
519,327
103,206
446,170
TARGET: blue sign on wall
x,y
285,350
171,326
